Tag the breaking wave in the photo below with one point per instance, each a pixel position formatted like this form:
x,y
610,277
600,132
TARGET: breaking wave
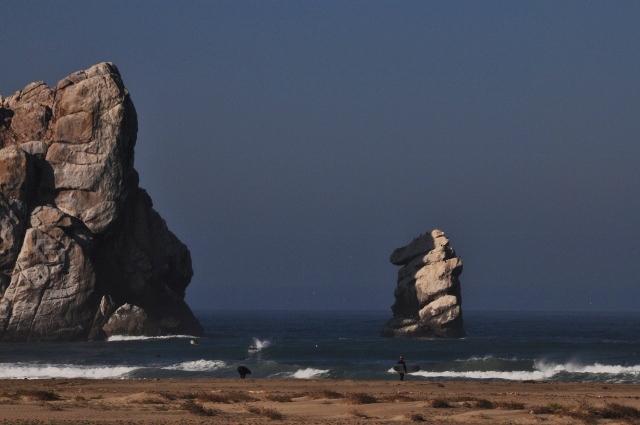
x,y
115,338
198,366
596,368
259,344
47,371
490,374
523,370
308,373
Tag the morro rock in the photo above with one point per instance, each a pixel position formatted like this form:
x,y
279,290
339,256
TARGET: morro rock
x,y
83,255
428,290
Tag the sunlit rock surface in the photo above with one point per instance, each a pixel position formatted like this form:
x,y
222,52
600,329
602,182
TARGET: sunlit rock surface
x,y
79,240
428,302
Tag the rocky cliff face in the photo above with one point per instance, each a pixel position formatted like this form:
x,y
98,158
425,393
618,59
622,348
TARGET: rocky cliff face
x,y
80,244
428,290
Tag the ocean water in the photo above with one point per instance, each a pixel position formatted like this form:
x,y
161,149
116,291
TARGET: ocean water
x,y
582,347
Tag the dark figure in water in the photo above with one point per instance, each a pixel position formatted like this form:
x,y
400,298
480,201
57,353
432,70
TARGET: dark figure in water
x,y
243,371
401,361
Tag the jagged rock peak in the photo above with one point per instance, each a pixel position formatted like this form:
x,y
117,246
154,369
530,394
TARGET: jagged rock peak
x,y
428,301
79,241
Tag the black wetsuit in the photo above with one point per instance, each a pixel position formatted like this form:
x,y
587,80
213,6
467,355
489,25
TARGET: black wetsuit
x,y
405,369
243,371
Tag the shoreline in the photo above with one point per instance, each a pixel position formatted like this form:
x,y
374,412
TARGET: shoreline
x,y
315,401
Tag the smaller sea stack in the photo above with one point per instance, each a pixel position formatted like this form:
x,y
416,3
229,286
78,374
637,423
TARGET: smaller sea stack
x,y
428,302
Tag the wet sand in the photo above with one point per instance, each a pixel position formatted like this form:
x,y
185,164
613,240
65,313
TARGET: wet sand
x,y
288,401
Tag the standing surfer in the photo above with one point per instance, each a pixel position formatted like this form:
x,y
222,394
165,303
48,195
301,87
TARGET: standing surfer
x,y
404,366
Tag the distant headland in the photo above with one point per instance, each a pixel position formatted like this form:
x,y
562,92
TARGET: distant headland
x,y
83,255
428,302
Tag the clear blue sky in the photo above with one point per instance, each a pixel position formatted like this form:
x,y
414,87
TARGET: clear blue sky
x,y
293,145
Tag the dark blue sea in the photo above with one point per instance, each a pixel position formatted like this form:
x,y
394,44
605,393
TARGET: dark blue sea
x,y
583,347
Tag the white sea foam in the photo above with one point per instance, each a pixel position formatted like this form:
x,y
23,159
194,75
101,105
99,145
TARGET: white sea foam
x,y
115,338
489,374
260,344
476,358
542,371
595,368
45,371
198,366
308,373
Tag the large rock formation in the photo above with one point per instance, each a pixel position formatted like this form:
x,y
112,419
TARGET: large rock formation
x,y
428,290
80,244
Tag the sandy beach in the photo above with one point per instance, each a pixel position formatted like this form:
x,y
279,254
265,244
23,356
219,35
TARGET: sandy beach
x,y
236,401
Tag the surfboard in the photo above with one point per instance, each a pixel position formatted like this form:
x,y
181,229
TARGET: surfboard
x,y
410,368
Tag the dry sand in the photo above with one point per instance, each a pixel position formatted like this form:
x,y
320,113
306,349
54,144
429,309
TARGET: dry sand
x,y
256,401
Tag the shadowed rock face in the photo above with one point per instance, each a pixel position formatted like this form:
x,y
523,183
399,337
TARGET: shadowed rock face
x,y
82,252
428,302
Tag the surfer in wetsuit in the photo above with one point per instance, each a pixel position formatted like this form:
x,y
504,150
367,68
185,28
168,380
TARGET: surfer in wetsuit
x,y
243,371
401,361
